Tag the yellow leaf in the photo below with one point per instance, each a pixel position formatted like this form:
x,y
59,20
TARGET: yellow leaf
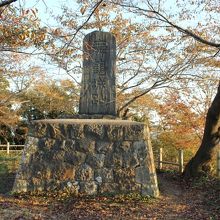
x,y
21,37
83,9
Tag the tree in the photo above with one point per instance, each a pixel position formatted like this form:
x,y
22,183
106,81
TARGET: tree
x,y
211,138
139,110
143,62
180,124
8,116
20,30
49,99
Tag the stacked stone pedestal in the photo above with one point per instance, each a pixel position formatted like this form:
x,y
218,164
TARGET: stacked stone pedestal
x,y
87,156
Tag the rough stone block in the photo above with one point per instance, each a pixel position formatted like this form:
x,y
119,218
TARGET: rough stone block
x,y
125,178
68,174
45,143
109,188
85,173
140,149
105,174
20,186
37,130
115,133
134,132
47,174
150,189
69,145
72,186
75,131
87,156
38,184
95,130
51,131
142,175
52,185
95,160
88,188
133,161
30,149
63,130
103,146
85,145
125,146
116,160
74,158
57,156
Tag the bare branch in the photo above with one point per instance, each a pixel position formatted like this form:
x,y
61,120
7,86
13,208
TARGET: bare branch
x,y
81,26
7,2
189,33
156,85
162,18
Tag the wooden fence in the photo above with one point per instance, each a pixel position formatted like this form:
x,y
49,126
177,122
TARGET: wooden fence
x,y
11,147
14,147
160,161
180,162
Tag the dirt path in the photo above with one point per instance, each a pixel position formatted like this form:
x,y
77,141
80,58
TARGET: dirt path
x,y
175,203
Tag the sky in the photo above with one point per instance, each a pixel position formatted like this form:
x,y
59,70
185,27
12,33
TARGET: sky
x,y
45,7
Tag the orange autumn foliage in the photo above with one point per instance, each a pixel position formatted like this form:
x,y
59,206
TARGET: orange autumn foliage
x,y
181,127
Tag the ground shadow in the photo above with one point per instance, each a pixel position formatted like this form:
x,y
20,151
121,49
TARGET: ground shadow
x,y
7,178
6,183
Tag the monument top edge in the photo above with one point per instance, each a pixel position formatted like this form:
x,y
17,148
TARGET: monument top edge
x,y
88,121
99,32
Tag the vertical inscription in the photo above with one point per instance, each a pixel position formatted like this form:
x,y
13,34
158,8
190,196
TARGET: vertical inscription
x,y
101,49
98,80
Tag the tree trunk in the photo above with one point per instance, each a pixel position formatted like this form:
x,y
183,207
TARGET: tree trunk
x,y
210,140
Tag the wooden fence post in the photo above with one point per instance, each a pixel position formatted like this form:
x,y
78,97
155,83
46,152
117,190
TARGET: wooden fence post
x,y
218,164
8,146
180,161
160,159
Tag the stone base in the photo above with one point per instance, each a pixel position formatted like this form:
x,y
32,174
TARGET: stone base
x,y
87,156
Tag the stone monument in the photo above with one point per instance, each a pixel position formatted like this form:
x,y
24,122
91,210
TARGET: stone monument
x,y
90,156
98,80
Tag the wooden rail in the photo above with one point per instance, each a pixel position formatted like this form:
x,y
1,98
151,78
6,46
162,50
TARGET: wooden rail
x,y
11,147
218,164
161,162
15,147
180,161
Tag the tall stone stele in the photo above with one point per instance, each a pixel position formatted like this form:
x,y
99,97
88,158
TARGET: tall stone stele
x,y
98,80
